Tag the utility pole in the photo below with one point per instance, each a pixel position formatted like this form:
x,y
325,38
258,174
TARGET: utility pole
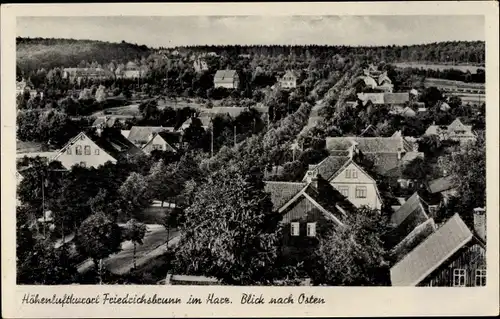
x,y
212,143
235,135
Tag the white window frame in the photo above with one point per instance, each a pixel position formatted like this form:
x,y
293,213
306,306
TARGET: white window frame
x,y
342,189
68,151
78,150
87,150
354,173
311,229
347,173
295,229
458,275
361,192
481,275
96,151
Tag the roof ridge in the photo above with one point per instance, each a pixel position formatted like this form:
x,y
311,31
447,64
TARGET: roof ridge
x,y
455,217
285,182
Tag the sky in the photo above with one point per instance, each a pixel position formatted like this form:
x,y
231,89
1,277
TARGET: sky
x,y
169,31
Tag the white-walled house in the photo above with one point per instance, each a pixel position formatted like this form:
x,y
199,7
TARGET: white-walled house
x,y
93,150
349,179
226,79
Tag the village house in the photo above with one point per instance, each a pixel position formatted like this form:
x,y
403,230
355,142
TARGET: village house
x,y
200,65
452,256
389,155
456,131
23,86
376,79
106,121
140,135
289,80
349,178
389,99
92,150
166,141
442,189
226,79
130,71
410,215
78,74
308,210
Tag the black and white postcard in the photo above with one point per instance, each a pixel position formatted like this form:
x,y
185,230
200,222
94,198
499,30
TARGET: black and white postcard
x,y
272,159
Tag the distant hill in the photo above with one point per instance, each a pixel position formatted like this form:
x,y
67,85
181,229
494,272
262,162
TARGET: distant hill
x,y
36,53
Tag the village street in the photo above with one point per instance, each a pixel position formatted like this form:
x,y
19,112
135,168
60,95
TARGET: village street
x,y
154,245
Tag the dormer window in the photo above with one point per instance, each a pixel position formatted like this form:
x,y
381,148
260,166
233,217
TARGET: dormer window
x,y
78,150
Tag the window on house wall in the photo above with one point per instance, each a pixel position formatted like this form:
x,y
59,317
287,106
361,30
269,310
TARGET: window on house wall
x,y
157,147
87,150
344,190
351,173
78,150
481,277
96,152
347,173
360,191
311,229
294,229
68,151
458,277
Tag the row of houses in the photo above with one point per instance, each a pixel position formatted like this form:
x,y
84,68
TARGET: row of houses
x,y
129,71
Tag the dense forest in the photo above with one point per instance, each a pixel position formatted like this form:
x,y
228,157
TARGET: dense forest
x,y
37,53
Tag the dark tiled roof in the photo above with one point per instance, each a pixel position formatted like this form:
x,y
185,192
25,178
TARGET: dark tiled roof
x,y
330,165
330,199
142,134
442,184
115,144
413,239
431,253
396,98
413,205
410,215
370,144
282,192
385,163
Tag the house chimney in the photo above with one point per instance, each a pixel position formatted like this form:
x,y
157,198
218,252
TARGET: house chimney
x,y
480,222
353,149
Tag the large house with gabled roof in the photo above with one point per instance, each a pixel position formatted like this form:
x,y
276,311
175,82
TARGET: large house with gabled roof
x,y
389,155
452,256
165,141
456,131
308,209
140,135
350,179
92,150
289,80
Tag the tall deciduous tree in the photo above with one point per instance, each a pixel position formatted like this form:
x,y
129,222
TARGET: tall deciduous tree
x,y
135,193
230,231
97,238
354,255
135,232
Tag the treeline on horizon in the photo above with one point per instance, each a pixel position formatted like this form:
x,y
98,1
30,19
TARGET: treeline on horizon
x,y
36,53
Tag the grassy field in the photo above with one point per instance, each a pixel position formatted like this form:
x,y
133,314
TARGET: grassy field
x,y
440,67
